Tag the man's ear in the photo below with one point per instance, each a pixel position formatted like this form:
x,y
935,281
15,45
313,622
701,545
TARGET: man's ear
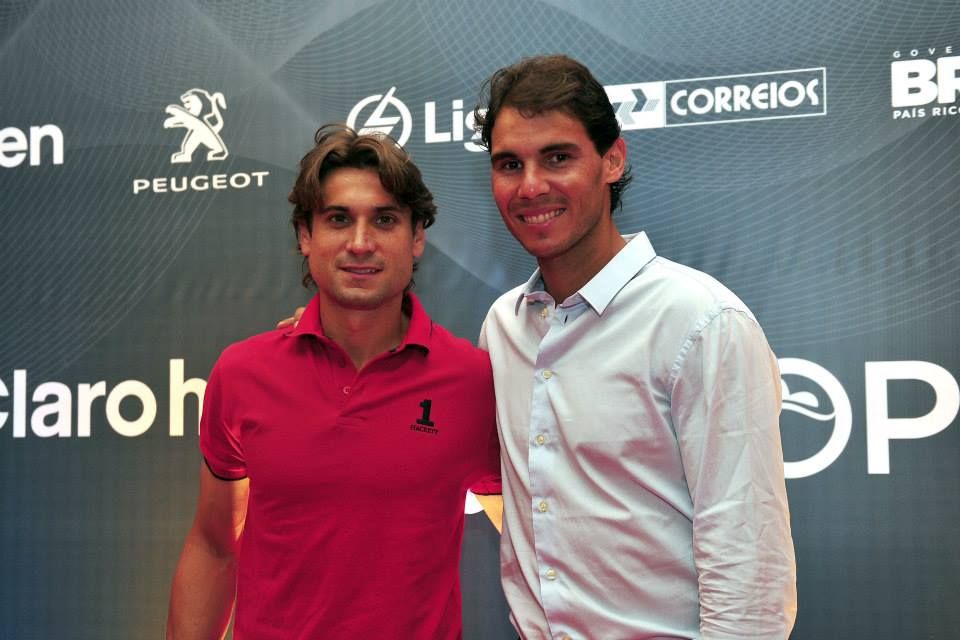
x,y
419,240
303,238
615,161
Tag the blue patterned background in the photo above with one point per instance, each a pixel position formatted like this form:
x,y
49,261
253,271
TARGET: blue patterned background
x,y
839,231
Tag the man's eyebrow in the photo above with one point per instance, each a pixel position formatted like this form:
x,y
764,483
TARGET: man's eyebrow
x,y
501,155
343,208
550,148
560,146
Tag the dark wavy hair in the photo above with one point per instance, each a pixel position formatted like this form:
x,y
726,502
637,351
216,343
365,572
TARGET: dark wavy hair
x,y
550,83
338,146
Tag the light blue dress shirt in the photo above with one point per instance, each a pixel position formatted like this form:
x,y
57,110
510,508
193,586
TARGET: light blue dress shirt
x,y
643,473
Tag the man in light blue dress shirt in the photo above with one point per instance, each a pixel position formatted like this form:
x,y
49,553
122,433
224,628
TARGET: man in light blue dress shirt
x,y
637,399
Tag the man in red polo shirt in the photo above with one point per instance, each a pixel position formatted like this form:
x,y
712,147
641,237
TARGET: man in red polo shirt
x,y
337,454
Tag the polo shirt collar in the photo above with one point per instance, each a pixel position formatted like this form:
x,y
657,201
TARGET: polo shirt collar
x,y
419,331
600,291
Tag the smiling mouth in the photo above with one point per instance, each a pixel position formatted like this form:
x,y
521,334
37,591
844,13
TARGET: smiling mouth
x,y
541,218
361,271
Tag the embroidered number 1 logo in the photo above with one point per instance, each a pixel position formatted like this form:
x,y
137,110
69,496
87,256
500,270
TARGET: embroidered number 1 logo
x,y
425,418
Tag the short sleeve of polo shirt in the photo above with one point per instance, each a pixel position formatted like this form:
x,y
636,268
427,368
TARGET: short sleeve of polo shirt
x,y
483,404
490,484
220,441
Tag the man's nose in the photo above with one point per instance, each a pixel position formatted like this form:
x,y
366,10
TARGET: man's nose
x,y
532,182
361,238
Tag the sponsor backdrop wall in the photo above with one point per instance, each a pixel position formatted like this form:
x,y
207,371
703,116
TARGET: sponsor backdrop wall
x,y
804,153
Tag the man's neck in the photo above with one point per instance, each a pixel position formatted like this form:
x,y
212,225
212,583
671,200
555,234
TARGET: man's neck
x,y
565,274
365,333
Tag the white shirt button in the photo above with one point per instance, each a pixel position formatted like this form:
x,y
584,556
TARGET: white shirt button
x,y
547,374
540,439
550,574
543,506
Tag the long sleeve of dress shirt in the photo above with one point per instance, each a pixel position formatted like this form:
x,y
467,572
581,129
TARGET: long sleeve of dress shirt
x,y
726,405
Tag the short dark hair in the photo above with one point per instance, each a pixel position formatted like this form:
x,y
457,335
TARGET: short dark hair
x,y
548,83
338,146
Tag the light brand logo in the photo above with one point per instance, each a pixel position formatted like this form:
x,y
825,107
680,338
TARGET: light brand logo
x,y
924,83
382,113
768,95
827,406
17,145
199,113
388,112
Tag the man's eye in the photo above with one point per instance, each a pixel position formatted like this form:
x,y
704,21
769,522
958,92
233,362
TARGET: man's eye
x,y
386,221
337,219
508,165
559,158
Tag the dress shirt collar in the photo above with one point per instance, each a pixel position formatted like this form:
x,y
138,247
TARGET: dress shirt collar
x,y
600,291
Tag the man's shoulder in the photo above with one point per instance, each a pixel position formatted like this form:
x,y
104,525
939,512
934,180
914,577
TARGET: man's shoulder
x,y
255,351
445,343
507,302
687,289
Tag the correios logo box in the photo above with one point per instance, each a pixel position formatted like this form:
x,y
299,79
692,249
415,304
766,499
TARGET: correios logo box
x,y
794,93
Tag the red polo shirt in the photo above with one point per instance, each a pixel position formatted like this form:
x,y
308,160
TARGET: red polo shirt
x,y
357,479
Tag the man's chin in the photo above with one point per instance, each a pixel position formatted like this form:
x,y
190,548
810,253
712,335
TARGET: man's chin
x,y
542,250
361,300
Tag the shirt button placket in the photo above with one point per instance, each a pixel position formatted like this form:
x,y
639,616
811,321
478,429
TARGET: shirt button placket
x,y
542,506
543,429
